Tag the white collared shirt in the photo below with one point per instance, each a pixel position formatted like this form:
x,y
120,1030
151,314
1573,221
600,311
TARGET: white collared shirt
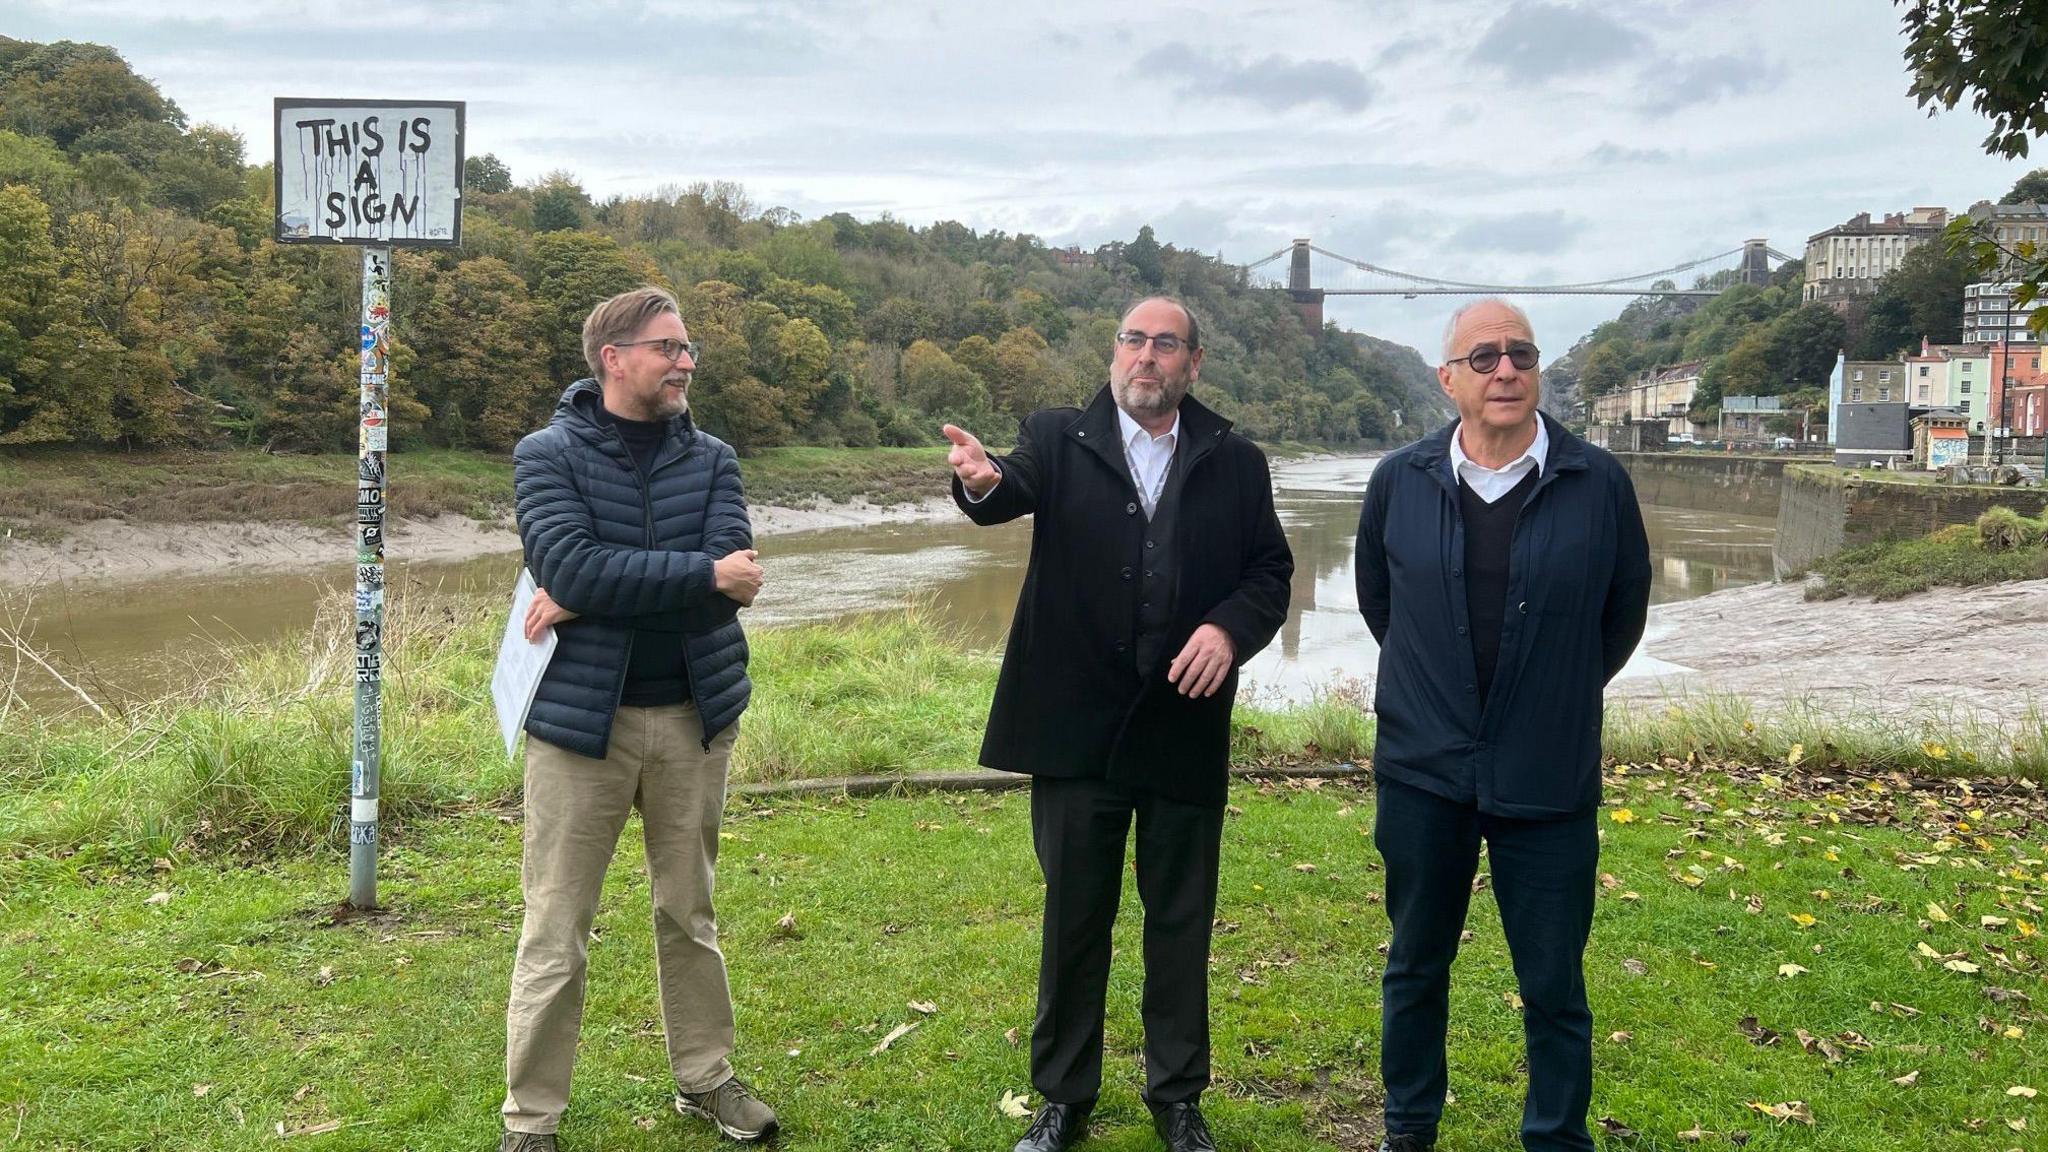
x,y
1490,484
1148,457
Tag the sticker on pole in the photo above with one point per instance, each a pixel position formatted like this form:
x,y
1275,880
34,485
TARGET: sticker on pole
x,y
369,172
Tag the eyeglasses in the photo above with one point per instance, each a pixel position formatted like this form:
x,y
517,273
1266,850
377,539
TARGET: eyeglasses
x,y
1132,340
1486,357
668,348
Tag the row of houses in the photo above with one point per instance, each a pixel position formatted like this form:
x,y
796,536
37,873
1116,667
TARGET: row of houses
x,y
1990,386
1660,403
1932,404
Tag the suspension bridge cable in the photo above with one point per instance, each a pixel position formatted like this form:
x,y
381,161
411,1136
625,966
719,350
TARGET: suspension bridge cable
x,y
1430,280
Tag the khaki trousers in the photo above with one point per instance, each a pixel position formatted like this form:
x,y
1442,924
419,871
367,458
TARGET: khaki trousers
x,y
575,810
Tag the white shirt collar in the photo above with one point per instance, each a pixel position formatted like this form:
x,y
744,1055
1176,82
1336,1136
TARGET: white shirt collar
x,y
1537,451
1131,429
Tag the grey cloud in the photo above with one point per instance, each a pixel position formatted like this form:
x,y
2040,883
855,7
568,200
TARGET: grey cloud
x,y
528,35
1276,83
1524,233
1609,153
1708,79
1538,41
1403,48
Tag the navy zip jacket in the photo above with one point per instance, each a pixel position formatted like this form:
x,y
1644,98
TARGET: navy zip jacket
x,y
626,554
1578,596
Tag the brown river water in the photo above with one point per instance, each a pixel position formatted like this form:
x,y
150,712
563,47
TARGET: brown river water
x,y
133,640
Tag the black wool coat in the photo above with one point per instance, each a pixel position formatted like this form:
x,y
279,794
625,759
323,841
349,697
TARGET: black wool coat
x,y
1071,700
629,554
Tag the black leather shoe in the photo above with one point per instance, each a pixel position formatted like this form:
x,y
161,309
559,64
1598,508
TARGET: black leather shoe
x,y
1407,1142
1056,1127
1182,1127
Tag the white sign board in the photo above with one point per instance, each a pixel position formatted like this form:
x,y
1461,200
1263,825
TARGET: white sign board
x,y
369,172
520,665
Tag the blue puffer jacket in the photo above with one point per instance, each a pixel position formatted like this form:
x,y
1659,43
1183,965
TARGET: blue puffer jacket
x,y
629,554
1578,596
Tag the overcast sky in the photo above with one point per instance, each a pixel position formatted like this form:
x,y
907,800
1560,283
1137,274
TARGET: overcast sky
x,y
1497,142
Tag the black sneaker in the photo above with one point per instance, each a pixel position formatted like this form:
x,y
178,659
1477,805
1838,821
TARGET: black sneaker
x,y
733,1107
1407,1142
527,1142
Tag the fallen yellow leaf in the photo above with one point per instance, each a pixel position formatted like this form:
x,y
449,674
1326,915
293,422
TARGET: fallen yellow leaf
x,y
1963,966
895,1034
1013,1105
1788,971
1803,920
1936,913
1622,816
1794,755
1908,1080
1790,1110
2021,1090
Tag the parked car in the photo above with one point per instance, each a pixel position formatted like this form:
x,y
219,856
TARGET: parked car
x,y
1785,443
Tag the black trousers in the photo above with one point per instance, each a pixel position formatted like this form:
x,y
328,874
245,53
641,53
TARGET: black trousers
x,y
1544,873
1078,828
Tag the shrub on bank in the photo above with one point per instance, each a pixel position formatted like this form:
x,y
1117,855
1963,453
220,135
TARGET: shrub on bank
x,y
2002,546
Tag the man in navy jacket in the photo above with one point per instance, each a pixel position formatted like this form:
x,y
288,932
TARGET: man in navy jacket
x,y
635,527
1503,568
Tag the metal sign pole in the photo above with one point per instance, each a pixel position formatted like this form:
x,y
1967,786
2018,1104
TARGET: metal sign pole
x,y
381,174
372,440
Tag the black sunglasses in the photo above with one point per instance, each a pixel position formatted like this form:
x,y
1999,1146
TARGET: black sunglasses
x,y
1486,357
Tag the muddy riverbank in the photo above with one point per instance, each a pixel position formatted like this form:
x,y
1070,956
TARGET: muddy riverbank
x,y
117,551
1944,652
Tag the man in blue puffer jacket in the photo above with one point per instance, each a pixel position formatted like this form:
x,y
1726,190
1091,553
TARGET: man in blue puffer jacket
x,y
1503,568
635,528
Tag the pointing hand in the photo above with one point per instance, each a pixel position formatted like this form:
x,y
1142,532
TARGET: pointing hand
x,y
970,462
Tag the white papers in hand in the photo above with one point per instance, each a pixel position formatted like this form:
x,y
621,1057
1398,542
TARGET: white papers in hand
x,y
520,665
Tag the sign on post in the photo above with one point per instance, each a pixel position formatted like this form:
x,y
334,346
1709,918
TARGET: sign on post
x,y
380,174
369,172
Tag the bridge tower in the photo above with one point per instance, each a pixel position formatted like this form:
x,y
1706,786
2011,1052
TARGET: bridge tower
x,y
1308,299
1756,263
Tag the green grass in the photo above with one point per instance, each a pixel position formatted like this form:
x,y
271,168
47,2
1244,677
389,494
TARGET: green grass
x,y
1961,555
249,757
236,1003
794,477
1821,736
46,488
42,491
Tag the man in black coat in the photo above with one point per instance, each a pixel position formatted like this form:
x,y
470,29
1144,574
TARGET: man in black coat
x,y
1157,568
635,527
1503,568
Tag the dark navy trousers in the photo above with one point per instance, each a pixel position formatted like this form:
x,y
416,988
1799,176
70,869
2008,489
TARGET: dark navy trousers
x,y
1544,873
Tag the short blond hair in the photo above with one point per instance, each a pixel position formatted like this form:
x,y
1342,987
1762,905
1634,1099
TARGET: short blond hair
x,y
621,318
